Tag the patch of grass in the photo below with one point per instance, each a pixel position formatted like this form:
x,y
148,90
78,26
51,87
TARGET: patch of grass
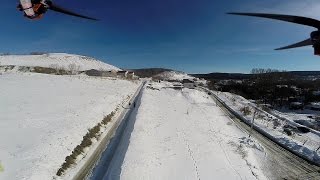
x,y
240,150
8,68
50,70
107,118
246,110
266,109
86,142
44,70
260,116
1,167
229,123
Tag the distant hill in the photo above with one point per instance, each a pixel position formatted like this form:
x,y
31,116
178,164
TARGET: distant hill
x,y
222,76
149,72
162,73
306,73
240,76
173,76
62,60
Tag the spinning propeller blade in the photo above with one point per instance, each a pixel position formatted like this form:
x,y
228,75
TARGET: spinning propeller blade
x,y
64,11
306,42
288,18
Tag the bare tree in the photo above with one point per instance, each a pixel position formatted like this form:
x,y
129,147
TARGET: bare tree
x,y
74,69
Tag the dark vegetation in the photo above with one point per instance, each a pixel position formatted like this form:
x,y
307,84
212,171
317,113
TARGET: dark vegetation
x,y
223,76
38,53
240,76
267,86
86,142
45,70
149,72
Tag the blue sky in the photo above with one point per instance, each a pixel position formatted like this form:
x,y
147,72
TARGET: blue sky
x,y
187,35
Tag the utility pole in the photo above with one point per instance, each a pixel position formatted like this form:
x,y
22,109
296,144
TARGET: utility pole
x,y
252,122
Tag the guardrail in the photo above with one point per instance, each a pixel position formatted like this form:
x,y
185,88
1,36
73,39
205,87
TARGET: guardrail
x,y
87,167
259,130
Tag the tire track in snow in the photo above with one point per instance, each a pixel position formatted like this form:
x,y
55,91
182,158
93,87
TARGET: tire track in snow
x,y
195,164
213,133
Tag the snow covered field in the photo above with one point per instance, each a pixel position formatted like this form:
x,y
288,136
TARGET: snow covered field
x,y
183,135
61,60
44,117
305,144
307,117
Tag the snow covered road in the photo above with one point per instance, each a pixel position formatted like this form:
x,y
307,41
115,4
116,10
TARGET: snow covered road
x,y
182,135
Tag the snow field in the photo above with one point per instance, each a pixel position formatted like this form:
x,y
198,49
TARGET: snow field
x,y
44,117
302,143
56,59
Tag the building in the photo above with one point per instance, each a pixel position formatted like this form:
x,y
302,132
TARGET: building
x,y
177,86
187,83
112,73
123,74
93,72
131,75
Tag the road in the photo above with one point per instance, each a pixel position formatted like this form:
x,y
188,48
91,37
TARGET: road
x,y
181,135
280,163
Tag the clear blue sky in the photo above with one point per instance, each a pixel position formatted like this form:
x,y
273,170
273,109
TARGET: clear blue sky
x,y
195,36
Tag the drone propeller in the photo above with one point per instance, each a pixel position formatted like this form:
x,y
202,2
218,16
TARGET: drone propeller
x,y
306,42
64,11
288,18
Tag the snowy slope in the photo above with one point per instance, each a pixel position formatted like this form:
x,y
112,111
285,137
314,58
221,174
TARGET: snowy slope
x,y
60,59
173,75
183,135
44,117
305,144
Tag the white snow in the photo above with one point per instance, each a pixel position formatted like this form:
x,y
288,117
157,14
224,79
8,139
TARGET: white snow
x,y
50,60
306,117
44,117
183,135
174,75
304,144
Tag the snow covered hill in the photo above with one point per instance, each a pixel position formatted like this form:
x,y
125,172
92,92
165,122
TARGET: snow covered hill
x,y
61,59
44,117
173,75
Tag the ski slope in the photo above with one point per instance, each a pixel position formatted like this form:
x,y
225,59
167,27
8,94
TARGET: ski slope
x,y
44,117
183,135
62,60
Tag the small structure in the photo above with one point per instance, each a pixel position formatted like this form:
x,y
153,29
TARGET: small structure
x,y
93,72
187,83
177,86
123,74
111,73
131,75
